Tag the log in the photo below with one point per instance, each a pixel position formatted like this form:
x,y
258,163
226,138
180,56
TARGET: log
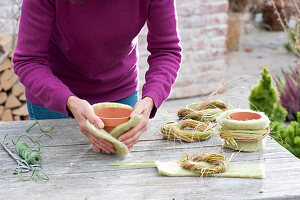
x,y
12,102
6,65
22,97
1,110
3,97
5,42
7,115
11,55
18,89
17,118
22,111
26,117
7,85
6,75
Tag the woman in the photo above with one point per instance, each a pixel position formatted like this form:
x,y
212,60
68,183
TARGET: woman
x,y
73,54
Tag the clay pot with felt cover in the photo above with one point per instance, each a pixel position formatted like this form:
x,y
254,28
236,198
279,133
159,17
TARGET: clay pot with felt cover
x,y
113,116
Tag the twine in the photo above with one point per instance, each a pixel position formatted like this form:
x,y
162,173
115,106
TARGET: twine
x,y
31,156
231,136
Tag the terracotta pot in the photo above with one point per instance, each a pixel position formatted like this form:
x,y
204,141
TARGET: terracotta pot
x,y
244,116
113,116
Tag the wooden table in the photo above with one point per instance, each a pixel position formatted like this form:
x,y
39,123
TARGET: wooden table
x,y
77,172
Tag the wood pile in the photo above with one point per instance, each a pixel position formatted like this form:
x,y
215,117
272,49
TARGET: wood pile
x,y
13,105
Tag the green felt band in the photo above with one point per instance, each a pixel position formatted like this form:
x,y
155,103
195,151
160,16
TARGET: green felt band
x,y
172,168
120,147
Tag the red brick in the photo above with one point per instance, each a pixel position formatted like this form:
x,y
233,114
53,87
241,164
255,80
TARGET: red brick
x,y
210,77
201,44
187,45
184,80
207,8
200,21
204,66
210,54
210,31
195,90
185,10
185,34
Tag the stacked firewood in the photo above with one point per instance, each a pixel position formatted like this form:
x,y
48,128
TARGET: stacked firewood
x,y
12,94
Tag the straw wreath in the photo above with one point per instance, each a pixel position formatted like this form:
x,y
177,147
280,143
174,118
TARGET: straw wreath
x,y
215,163
188,130
204,111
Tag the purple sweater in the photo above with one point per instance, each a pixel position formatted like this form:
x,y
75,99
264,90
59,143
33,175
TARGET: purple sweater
x,y
89,50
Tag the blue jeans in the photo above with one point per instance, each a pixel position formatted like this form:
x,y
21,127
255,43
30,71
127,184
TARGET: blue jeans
x,y
40,112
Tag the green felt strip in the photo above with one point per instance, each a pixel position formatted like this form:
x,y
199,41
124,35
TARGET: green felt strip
x,y
120,147
123,128
172,168
245,146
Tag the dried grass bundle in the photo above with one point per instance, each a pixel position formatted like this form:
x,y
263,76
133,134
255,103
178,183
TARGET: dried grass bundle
x,y
187,130
232,137
204,111
204,163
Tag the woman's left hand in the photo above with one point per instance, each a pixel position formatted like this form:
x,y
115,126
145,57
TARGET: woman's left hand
x,y
143,107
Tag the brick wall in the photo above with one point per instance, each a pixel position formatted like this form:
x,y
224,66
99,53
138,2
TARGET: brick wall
x,y
8,13
202,29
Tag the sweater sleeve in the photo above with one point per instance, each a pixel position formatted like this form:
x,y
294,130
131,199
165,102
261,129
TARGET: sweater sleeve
x,y
30,58
163,45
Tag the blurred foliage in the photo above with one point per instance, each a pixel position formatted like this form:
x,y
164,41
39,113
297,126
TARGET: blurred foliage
x,y
289,87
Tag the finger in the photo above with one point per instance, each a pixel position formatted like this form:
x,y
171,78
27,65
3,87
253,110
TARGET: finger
x,y
133,140
84,129
96,148
98,144
90,115
103,141
137,109
133,131
103,146
94,145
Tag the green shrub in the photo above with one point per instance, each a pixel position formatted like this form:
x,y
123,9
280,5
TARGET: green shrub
x,y
288,136
264,97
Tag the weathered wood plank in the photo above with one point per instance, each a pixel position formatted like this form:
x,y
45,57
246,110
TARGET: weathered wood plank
x,y
81,172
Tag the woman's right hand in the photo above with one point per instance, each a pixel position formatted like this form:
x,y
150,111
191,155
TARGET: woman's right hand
x,y
82,111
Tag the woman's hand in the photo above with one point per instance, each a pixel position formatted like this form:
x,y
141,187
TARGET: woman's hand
x,y
82,111
143,107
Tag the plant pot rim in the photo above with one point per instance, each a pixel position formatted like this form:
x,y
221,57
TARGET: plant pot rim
x,y
244,116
